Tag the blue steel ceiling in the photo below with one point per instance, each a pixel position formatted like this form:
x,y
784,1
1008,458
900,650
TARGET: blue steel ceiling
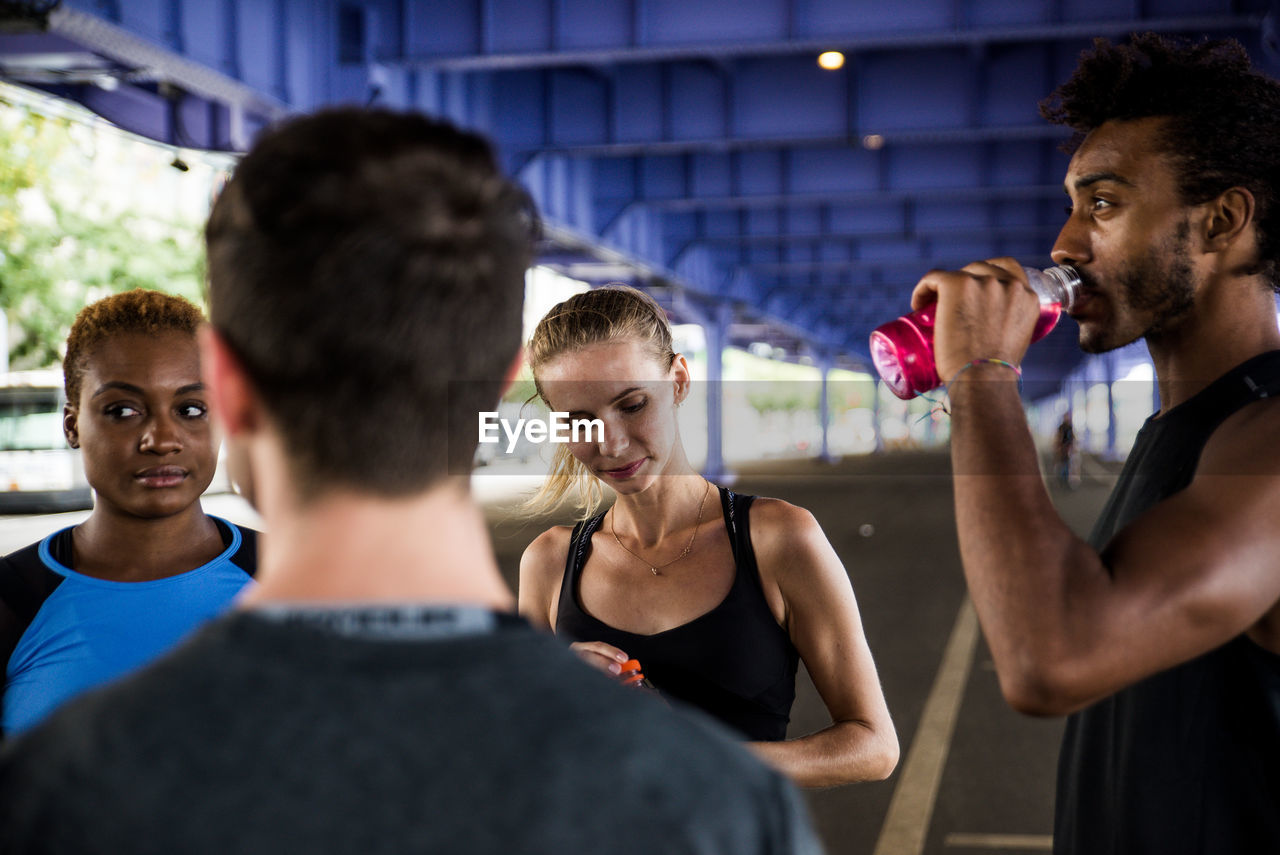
x,y
692,147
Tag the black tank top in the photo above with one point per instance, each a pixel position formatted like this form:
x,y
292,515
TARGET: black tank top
x,y
1187,760
733,662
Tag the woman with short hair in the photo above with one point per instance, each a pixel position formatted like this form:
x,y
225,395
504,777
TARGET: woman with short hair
x,y
94,601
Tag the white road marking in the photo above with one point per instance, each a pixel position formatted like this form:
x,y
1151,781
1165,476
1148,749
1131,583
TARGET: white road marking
x,y
907,822
991,842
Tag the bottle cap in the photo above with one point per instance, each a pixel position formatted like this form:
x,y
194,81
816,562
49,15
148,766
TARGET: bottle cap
x,y
631,672
1058,284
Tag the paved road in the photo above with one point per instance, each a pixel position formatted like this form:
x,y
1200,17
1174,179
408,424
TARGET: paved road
x,y
975,777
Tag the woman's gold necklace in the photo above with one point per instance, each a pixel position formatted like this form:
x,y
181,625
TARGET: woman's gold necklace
x,y
654,568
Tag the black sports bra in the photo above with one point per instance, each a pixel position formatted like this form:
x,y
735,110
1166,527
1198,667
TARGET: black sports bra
x,y
734,662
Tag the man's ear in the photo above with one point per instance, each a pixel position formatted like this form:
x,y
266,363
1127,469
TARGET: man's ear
x,y
1227,218
231,394
71,425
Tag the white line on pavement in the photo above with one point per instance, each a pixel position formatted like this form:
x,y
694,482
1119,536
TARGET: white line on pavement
x,y
907,822
1035,842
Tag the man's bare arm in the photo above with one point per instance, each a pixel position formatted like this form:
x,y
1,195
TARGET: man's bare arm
x,y
1068,626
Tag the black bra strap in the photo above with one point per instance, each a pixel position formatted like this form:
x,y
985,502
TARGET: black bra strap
x,y
736,507
579,543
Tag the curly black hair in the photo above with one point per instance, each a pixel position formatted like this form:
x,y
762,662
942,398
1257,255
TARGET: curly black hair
x,y
1223,127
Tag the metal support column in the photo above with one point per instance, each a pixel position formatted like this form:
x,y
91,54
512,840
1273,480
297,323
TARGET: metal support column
x,y
714,318
1110,363
717,331
825,365
875,415
1155,392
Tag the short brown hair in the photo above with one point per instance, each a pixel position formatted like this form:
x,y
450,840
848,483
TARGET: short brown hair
x,y
136,311
367,268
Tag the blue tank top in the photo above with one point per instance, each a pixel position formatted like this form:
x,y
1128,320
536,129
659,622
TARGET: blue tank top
x,y
85,631
1187,760
734,662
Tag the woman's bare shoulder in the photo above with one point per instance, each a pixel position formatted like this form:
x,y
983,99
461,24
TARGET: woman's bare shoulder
x,y
776,519
788,541
549,548
541,572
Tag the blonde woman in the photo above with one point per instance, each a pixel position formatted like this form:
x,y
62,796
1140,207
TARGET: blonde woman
x,y
718,595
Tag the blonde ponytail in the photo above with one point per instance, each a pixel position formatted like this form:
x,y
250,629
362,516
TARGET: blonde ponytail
x,y
566,476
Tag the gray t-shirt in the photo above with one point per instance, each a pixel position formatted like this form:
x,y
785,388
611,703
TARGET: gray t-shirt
x,y
275,732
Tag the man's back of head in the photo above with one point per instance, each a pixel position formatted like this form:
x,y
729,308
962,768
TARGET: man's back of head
x,y
367,269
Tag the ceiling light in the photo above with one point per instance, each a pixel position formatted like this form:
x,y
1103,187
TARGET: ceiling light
x,y
831,60
873,142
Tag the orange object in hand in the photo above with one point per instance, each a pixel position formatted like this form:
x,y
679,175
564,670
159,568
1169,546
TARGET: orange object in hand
x,y
631,675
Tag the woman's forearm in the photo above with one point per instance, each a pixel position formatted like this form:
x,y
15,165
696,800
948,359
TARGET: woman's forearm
x,y
843,753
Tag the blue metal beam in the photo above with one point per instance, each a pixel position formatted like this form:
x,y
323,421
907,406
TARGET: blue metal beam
x,y
687,142
853,198
150,62
696,108
596,32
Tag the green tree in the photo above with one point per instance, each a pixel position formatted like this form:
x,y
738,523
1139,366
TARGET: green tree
x,y
69,237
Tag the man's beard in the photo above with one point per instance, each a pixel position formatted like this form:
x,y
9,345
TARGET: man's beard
x,y
1159,286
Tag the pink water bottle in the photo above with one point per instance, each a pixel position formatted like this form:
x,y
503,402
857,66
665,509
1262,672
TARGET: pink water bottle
x,y
902,349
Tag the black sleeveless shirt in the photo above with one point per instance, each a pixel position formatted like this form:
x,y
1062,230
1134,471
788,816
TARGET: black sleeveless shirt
x,y
1187,760
734,662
